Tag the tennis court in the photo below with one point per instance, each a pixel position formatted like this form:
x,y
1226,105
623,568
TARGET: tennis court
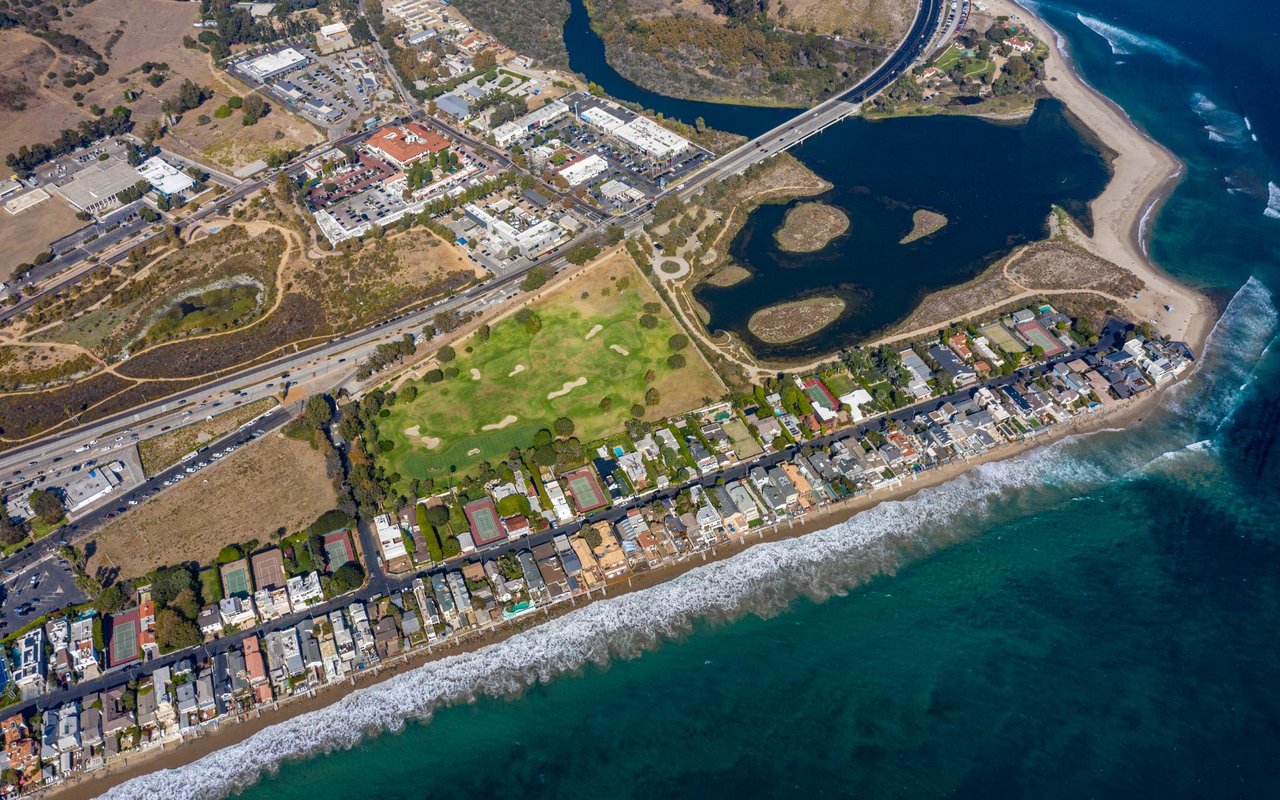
x,y
124,638
337,550
1035,333
235,579
586,491
999,336
482,517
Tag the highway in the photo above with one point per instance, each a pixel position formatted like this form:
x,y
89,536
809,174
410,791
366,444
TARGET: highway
x,y
326,366
379,584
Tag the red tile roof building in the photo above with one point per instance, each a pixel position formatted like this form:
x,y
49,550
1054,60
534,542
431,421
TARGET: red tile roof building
x,y
402,145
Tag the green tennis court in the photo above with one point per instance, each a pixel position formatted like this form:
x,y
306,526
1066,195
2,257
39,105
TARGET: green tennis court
x,y
235,579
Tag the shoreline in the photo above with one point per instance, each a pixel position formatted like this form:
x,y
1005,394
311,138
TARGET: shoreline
x,y
1144,175
173,755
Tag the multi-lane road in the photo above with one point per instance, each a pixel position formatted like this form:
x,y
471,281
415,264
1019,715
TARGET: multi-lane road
x,y
327,366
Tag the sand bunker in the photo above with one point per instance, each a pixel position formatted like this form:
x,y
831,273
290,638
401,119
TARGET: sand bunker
x,y
475,451
569,386
497,426
411,432
619,349
429,442
475,374
594,331
518,369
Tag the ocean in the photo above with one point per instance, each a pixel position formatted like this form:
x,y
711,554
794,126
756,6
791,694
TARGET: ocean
x,y
1094,618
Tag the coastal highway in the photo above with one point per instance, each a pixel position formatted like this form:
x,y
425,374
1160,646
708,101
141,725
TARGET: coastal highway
x,y
916,43
380,585
328,365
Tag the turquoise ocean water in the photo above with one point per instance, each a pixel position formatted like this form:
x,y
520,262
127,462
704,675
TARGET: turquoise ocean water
x,y
1094,619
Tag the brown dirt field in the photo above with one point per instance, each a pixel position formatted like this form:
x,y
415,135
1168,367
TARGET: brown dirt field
x,y
383,276
24,59
23,366
887,19
809,227
796,320
274,482
229,144
1061,265
25,235
165,450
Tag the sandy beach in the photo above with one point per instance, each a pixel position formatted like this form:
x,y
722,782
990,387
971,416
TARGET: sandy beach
x,y
176,754
1144,173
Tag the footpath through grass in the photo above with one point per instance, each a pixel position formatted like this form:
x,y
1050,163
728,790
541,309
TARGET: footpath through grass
x,y
524,377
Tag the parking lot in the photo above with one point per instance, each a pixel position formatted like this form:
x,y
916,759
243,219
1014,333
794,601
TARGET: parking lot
x,y
47,587
647,176
331,90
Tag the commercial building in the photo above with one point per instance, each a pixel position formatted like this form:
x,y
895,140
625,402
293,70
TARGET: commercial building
x,y
584,169
651,138
272,65
94,188
530,242
333,38
403,145
164,177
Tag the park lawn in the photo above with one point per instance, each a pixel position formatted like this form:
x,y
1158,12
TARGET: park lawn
x,y
948,58
443,429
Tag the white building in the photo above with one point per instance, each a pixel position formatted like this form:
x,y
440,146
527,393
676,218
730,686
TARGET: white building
x,y
267,66
304,590
389,538
29,664
164,177
650,137
584,169
530,242
237,611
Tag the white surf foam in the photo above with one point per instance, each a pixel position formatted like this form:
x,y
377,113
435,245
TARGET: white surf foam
x,y
1273,200
762,580
1223,126
1125,42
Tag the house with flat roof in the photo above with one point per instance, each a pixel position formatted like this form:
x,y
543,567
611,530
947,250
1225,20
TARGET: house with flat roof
x,y
391,540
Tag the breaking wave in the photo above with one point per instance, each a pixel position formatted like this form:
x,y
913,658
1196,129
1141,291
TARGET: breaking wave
x,y
1223,126
1124,42
1273,201
762,580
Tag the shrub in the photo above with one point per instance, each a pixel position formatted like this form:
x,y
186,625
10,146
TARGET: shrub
x,y
451,547
433,376
678,341
451,372
446,354
222,112
563,426
606,403
235,101
229,553
637,411
438,515
648,321
675,361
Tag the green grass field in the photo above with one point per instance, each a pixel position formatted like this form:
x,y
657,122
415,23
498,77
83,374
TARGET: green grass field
x,y
445,426
951,56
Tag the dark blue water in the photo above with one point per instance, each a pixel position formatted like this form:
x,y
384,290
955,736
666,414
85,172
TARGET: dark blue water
x,y
995,183
1098,619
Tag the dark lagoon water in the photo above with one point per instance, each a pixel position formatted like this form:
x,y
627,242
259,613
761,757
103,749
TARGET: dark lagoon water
x,y
995,183
1094,619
